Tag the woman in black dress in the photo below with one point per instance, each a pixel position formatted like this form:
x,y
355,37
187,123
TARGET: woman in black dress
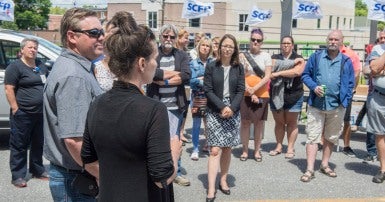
x,y
127,133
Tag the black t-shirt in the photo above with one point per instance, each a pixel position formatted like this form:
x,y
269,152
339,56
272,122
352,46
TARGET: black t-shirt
x,y
29,84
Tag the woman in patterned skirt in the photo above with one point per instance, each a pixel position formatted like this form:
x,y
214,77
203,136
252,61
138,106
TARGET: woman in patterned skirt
x,y
224,85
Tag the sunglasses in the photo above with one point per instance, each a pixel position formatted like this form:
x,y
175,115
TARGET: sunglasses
x,y
168,37
258,40
93,33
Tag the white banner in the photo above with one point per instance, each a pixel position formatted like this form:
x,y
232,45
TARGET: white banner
x,y
303,9
376,9
195,9
7,10
257,16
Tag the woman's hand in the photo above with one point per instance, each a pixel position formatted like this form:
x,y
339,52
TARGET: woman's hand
x,y
254,99
226,112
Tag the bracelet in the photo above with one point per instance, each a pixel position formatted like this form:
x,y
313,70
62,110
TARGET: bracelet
x,y
166,82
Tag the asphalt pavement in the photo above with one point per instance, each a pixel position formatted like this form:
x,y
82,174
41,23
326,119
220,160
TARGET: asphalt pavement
x,y
273,179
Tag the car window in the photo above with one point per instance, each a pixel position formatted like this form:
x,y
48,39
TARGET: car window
x,y
9,52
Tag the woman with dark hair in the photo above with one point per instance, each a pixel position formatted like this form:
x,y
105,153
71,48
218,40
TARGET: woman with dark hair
x,y
224,85
127,133
254,107
286,95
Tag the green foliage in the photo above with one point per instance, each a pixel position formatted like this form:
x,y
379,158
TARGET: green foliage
x,y
361,9
57,10
32,14
380,26
8,25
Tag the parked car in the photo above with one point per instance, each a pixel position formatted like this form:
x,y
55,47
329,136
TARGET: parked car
x,y
9,48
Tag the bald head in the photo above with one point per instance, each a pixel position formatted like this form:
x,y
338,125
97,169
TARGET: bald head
x,y
334,40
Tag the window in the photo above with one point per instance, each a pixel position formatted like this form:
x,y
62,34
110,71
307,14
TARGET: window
x,y
196,22
344,22
318,23
338,22
330,21
350,24
294,23
152,20
242,23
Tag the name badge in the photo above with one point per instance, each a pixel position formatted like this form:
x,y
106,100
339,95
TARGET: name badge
x,y
43,78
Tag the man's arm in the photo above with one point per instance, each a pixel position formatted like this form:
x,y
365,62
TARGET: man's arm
x,y
11,97
376,62
74,146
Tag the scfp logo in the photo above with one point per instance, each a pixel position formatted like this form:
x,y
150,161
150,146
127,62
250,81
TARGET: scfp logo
x,y
259,15
379,7
197,8
5,5
307,8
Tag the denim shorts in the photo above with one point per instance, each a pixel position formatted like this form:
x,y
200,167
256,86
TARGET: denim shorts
x,y
297,107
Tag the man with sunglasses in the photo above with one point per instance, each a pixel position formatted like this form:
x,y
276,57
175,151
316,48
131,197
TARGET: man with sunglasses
x,y
172,73
67,95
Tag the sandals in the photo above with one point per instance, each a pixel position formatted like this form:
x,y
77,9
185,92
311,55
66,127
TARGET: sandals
x,y
258,158
274,152
327,171
307,176
289,155
243,158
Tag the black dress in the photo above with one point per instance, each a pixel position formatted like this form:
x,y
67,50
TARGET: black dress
x,y
128,133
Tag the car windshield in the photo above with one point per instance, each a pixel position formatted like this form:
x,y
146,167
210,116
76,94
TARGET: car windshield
x,y
47,44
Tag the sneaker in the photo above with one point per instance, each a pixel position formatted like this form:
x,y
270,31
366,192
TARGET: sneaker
x,y
379,177
195,156
368,159
182,181
19,182
43,176
349,152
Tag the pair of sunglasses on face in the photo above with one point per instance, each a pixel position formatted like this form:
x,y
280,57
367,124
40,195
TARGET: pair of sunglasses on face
x,y
166,36
93,33
256,40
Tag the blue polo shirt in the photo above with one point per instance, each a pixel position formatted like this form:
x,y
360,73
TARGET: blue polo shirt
x,y
328,74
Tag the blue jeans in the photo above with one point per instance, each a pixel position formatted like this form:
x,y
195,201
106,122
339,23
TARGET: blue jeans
x,y
178,114
60,185
195,133
26,131
371,144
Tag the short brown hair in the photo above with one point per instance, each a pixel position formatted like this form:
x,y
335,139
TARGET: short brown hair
x,y
71,19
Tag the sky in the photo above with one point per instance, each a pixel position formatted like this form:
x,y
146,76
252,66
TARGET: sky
x,y
79,3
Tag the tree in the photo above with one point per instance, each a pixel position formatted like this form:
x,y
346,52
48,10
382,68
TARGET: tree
x,y
57,10
32,14
361,8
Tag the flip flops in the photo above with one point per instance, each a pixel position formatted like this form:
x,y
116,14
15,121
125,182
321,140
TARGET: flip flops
x,y
289,155
243,158
274,152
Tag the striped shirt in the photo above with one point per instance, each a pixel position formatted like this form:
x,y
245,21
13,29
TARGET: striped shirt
x,y
168,93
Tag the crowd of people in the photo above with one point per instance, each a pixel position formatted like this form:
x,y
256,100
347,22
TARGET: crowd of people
x,y
115,104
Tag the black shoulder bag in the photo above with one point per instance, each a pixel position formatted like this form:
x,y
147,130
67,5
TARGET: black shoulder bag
x,y
258,71
86,184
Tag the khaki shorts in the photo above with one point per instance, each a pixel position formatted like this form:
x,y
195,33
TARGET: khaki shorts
x,y
331,122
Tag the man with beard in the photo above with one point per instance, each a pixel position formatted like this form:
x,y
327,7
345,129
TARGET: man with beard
x,y
172,73
329,75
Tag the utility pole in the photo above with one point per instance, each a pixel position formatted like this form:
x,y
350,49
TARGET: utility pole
x,y
162,19
373,32
286,19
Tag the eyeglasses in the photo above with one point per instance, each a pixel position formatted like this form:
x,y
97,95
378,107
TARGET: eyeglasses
x,y
258,40
93,33
168,37
36,69
228,47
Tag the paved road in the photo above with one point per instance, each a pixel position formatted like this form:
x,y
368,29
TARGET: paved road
x,y
275,178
